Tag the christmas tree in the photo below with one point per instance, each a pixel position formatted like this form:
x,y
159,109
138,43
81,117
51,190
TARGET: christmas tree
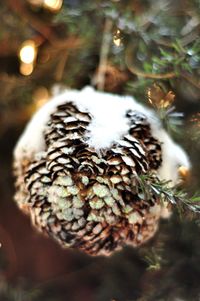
x,y
147,49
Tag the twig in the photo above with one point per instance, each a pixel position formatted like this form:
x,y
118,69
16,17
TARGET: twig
x,y
104,54
61,66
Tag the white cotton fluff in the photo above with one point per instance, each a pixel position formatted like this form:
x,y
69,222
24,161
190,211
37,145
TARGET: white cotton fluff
x,y
173,157
109,123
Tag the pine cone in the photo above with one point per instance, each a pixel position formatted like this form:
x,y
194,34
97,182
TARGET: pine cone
x,y
84,197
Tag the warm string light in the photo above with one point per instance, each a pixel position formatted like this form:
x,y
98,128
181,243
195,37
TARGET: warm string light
x,y
52,5
26,69
27,56
27,52
40,97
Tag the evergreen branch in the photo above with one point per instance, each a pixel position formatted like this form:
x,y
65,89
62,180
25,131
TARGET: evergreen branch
x,y
151,185
133,69
154,260
171,119
177,59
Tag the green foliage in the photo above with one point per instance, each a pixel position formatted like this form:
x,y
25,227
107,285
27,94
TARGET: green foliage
x,y
158,31
163,190
154,259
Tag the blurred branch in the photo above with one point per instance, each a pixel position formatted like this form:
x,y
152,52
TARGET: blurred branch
x,y
195,82
61,66
44,29
132,68
104,54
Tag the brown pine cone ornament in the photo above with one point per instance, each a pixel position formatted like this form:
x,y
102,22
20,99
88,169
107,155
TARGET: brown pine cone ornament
x,y
76,168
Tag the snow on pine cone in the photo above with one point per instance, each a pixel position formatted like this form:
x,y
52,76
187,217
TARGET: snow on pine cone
x,y
76,166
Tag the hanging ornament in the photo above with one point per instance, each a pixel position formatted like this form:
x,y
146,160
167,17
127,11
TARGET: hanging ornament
x,y
117,40
183,172
77,164
114,78
158,98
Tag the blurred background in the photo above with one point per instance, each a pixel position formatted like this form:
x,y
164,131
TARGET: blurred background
x,y
143,48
